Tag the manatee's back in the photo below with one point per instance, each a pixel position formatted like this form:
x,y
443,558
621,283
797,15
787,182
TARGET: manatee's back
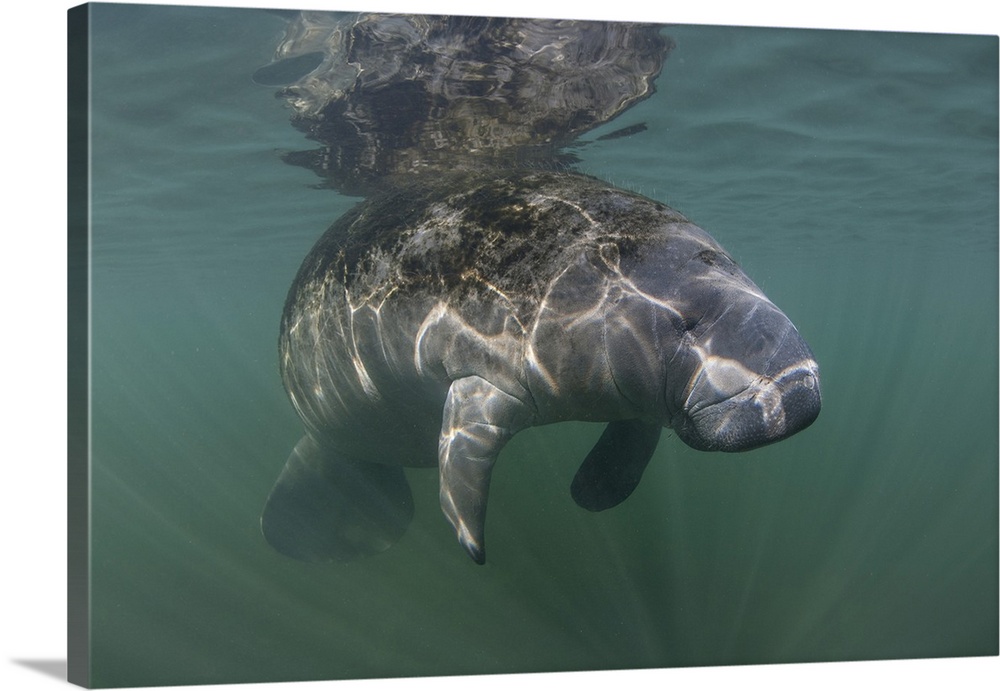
x,y
437,280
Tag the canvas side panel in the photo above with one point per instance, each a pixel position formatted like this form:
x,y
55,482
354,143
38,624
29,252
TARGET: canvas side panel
x,y
78,390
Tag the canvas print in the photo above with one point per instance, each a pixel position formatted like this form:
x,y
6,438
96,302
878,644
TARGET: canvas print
x,y
694,326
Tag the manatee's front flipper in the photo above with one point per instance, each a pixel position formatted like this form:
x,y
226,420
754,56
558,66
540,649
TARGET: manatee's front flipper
x,y
614,466
478,420
323,509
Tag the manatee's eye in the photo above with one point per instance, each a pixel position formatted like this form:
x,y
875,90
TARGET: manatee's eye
x,y
710,257
718,260
688,324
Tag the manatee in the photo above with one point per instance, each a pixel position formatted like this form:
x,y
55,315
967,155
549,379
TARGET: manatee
x,y
442,316
483,287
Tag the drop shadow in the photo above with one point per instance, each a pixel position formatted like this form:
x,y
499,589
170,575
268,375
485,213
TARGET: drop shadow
x,y
51,668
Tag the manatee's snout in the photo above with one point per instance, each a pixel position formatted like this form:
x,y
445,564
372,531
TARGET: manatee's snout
x,y
738,400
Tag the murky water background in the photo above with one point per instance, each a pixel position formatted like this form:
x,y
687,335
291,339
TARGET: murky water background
x,y
854,176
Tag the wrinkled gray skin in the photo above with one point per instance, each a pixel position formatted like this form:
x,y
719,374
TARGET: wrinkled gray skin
x,y
430,325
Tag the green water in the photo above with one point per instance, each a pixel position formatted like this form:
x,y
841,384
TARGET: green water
x,y
854,176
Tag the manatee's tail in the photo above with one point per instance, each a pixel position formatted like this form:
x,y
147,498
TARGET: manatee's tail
x,y
324,509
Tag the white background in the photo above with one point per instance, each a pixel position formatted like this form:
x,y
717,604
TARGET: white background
x,y
33,335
